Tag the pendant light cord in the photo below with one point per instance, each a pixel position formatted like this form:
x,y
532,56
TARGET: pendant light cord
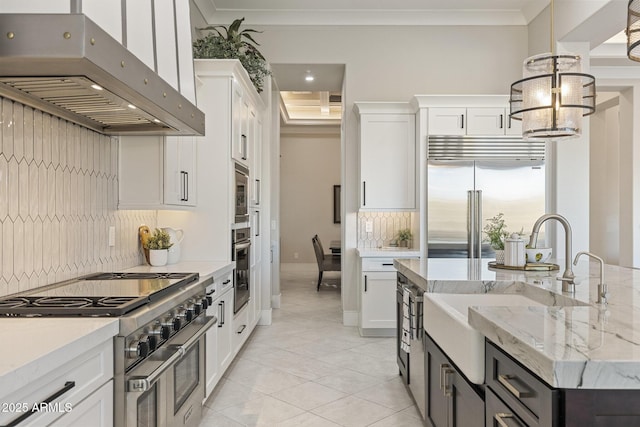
x,y
553,45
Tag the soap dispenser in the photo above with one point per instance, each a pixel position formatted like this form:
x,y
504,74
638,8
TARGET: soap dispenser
x,y
514,253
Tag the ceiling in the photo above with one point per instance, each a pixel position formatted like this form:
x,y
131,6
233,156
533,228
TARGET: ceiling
x,y
328,77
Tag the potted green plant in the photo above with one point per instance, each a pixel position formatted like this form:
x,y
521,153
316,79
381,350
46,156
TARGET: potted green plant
x,y
158,244
496,231
404,237
232,43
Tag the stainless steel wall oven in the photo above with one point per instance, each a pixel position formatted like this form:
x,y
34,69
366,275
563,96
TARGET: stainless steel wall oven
x,y
240,253
241,194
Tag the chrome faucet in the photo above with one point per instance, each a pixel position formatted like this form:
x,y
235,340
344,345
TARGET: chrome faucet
x,y
602,286
567,276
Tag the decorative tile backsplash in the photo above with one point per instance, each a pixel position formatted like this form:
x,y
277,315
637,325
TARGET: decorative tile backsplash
x,y
58,197
385,227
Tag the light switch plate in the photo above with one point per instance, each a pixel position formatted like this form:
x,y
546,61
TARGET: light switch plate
x,y
368,226
112,236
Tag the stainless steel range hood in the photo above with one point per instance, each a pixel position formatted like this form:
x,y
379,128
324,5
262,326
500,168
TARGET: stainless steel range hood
x,y
66,65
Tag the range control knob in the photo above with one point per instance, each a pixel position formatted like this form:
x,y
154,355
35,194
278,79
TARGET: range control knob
x,y
210,300
185,314
204,302
197,308
153,342
172,325
138,348
162,330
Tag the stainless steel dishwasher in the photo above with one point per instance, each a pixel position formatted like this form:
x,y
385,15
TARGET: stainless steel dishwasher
x,y
414,372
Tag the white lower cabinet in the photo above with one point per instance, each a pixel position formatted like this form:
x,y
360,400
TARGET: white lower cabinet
x,y
219,351
378,309
96,410
81,388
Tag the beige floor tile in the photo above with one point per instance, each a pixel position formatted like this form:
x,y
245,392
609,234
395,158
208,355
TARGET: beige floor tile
x,y
353,412
308,420
211,418
266,411
398,419
228,393
309,395
348,381
391,394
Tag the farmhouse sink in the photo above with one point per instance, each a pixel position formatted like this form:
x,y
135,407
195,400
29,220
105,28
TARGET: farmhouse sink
x,y
445,320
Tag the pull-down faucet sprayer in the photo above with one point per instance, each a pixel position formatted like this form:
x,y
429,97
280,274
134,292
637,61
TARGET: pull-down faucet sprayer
x,y
567,276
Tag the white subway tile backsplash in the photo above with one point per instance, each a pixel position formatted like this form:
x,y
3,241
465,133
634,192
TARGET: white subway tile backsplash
x,y
58,196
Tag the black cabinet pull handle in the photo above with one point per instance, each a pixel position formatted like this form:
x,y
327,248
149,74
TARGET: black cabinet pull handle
x,y
67,386
387,264
365,283
364,193
241,330
226,281
462,121
186,185
501,120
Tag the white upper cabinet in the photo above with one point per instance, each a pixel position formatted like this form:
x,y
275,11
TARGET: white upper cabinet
x,y
472,121
156,172
388,156
447,121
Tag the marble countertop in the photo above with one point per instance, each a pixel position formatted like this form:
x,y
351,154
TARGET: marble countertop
x,y
388,252
33,346
589,347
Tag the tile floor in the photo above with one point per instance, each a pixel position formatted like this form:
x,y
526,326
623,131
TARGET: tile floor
x,y
306,369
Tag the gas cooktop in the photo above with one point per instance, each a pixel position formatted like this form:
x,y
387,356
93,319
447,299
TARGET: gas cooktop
x,y
100,294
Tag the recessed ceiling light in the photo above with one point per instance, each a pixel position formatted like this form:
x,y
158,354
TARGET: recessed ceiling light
x,y
133,107
309,78
96,87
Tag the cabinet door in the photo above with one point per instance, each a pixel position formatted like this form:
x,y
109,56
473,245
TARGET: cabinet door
x,y
378,295
140,172
467,407
447,121
96,410
486,121
387,161
225,317
437,368
179,171
238,139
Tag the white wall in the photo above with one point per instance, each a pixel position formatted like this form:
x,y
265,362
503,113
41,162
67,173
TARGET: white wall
x,y
394,64
309,168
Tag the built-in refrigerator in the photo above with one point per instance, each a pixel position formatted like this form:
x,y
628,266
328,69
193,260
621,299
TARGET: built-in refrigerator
x,y
470,180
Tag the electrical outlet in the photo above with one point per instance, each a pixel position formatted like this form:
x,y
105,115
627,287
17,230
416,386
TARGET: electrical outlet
x,y
368,226
112,236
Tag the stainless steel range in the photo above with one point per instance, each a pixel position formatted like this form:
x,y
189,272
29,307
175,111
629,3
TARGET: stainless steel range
x,y
159,352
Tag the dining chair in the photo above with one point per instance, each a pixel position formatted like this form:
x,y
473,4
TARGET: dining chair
x,y
325,262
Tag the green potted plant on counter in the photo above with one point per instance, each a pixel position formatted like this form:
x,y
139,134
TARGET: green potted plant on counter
x,y
496,231
232,43
158,245
404,237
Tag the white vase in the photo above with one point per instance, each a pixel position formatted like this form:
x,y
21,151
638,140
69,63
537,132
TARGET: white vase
x,y
499,256
158,257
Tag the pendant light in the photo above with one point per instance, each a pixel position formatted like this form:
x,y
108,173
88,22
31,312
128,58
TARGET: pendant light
x,y
553,95
633,30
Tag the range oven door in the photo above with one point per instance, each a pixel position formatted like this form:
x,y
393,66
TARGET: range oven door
x,y
167,388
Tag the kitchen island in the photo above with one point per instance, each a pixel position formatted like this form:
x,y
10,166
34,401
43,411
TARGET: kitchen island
x,y
583,353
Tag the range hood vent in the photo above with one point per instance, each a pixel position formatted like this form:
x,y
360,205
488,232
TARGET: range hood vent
x,y
67,66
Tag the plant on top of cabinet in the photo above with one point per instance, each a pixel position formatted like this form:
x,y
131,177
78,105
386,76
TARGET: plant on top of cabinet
x,y
233,44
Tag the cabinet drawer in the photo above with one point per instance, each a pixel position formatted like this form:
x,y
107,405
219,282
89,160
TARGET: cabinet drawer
x,y
527,395
71,383
377,264
498,414
240,328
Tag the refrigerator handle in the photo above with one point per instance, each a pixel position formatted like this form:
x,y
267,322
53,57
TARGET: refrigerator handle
x,y
478,203
471,223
